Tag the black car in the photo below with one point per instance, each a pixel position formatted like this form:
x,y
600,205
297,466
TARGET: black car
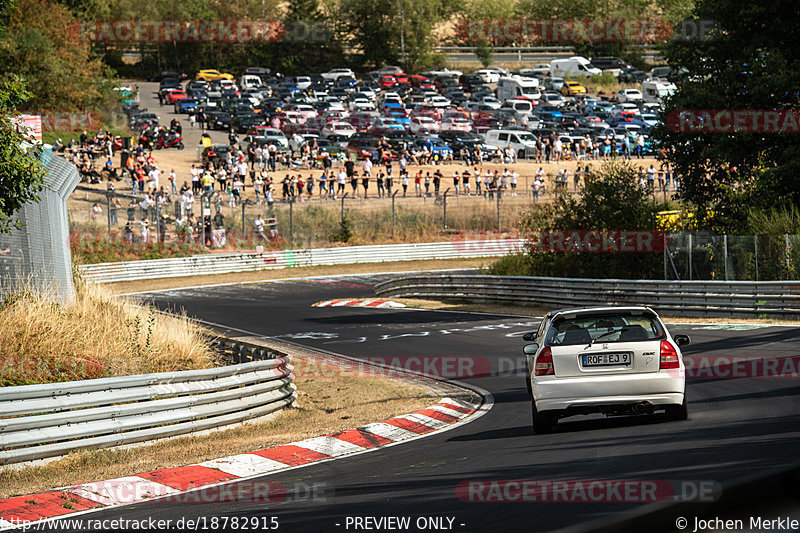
x,y
170,83
470,81
218,120
479,91
457,96
396,139
167,74
632,75
459,139
609,63
245,122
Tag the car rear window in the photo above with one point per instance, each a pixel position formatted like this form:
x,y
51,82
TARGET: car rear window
x,y
605,328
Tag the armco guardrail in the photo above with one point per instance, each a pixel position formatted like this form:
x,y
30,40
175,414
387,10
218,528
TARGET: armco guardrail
x,y
249,262
779,299
51,420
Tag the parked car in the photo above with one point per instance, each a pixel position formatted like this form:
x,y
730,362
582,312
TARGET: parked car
x,y
185,105
572,88
218,120
339,128
213,74
173,96
629,95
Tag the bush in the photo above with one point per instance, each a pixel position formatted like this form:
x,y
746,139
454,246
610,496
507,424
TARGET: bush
x,y
613,200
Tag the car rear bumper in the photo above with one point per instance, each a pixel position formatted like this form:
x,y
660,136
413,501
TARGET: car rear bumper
x,y
592,394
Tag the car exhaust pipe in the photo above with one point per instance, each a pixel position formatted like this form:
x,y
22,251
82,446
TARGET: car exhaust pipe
x,y
643,408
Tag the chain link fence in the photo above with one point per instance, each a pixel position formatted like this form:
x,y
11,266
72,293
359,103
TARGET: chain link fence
x,y
705,256
109,225
37,256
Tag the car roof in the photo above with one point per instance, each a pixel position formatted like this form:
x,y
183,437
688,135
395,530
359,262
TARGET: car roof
x,y
592,310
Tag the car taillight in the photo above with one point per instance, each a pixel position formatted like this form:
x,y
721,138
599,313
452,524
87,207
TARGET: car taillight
x,y
544,363
669,356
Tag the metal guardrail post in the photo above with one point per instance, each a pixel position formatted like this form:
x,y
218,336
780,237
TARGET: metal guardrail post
x,y
725,253
498,210
343,197
394,213
689,250
755,246
444,208
787,253
108,212
291,219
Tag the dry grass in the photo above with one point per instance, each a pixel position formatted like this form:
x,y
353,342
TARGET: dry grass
x,y
96,336
326,405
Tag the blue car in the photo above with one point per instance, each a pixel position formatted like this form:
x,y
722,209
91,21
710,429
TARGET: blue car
x,y
186,105
436,146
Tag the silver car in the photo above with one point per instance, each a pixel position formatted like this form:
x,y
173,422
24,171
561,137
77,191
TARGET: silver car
x,y
609,360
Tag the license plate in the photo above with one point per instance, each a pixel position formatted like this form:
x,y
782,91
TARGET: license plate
x,y
606,359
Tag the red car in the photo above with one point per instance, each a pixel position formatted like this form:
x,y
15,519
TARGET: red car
x,y
173,96
420,81
387,81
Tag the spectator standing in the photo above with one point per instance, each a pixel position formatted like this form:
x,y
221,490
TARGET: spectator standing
x,y
379,183
651,177
341,182
114,210
172,177
259,227
96,211
258,187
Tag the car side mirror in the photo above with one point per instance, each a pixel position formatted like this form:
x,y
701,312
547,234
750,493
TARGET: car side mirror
x,y
682,340
529,336
530,349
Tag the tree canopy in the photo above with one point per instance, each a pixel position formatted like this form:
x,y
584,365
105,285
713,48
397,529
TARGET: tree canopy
x,y
751,62
21,173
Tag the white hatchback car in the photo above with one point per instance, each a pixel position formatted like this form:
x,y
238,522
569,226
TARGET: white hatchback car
x,y
610,360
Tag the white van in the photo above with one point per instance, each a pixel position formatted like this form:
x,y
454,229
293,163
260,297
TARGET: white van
x,y
515,86
574,66
249,81
654,91
519,140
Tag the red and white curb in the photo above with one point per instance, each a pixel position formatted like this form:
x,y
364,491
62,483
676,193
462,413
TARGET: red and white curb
x,y
376,304
170,482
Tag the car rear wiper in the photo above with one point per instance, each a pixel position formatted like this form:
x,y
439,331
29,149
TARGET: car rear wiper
x,y
607,333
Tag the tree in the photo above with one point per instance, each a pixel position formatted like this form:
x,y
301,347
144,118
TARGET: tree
x,y
382,29
751,62
21,173
612,200
485,53
311,43
40,42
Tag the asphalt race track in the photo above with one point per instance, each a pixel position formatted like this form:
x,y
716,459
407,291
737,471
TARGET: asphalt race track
x,y
739,427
